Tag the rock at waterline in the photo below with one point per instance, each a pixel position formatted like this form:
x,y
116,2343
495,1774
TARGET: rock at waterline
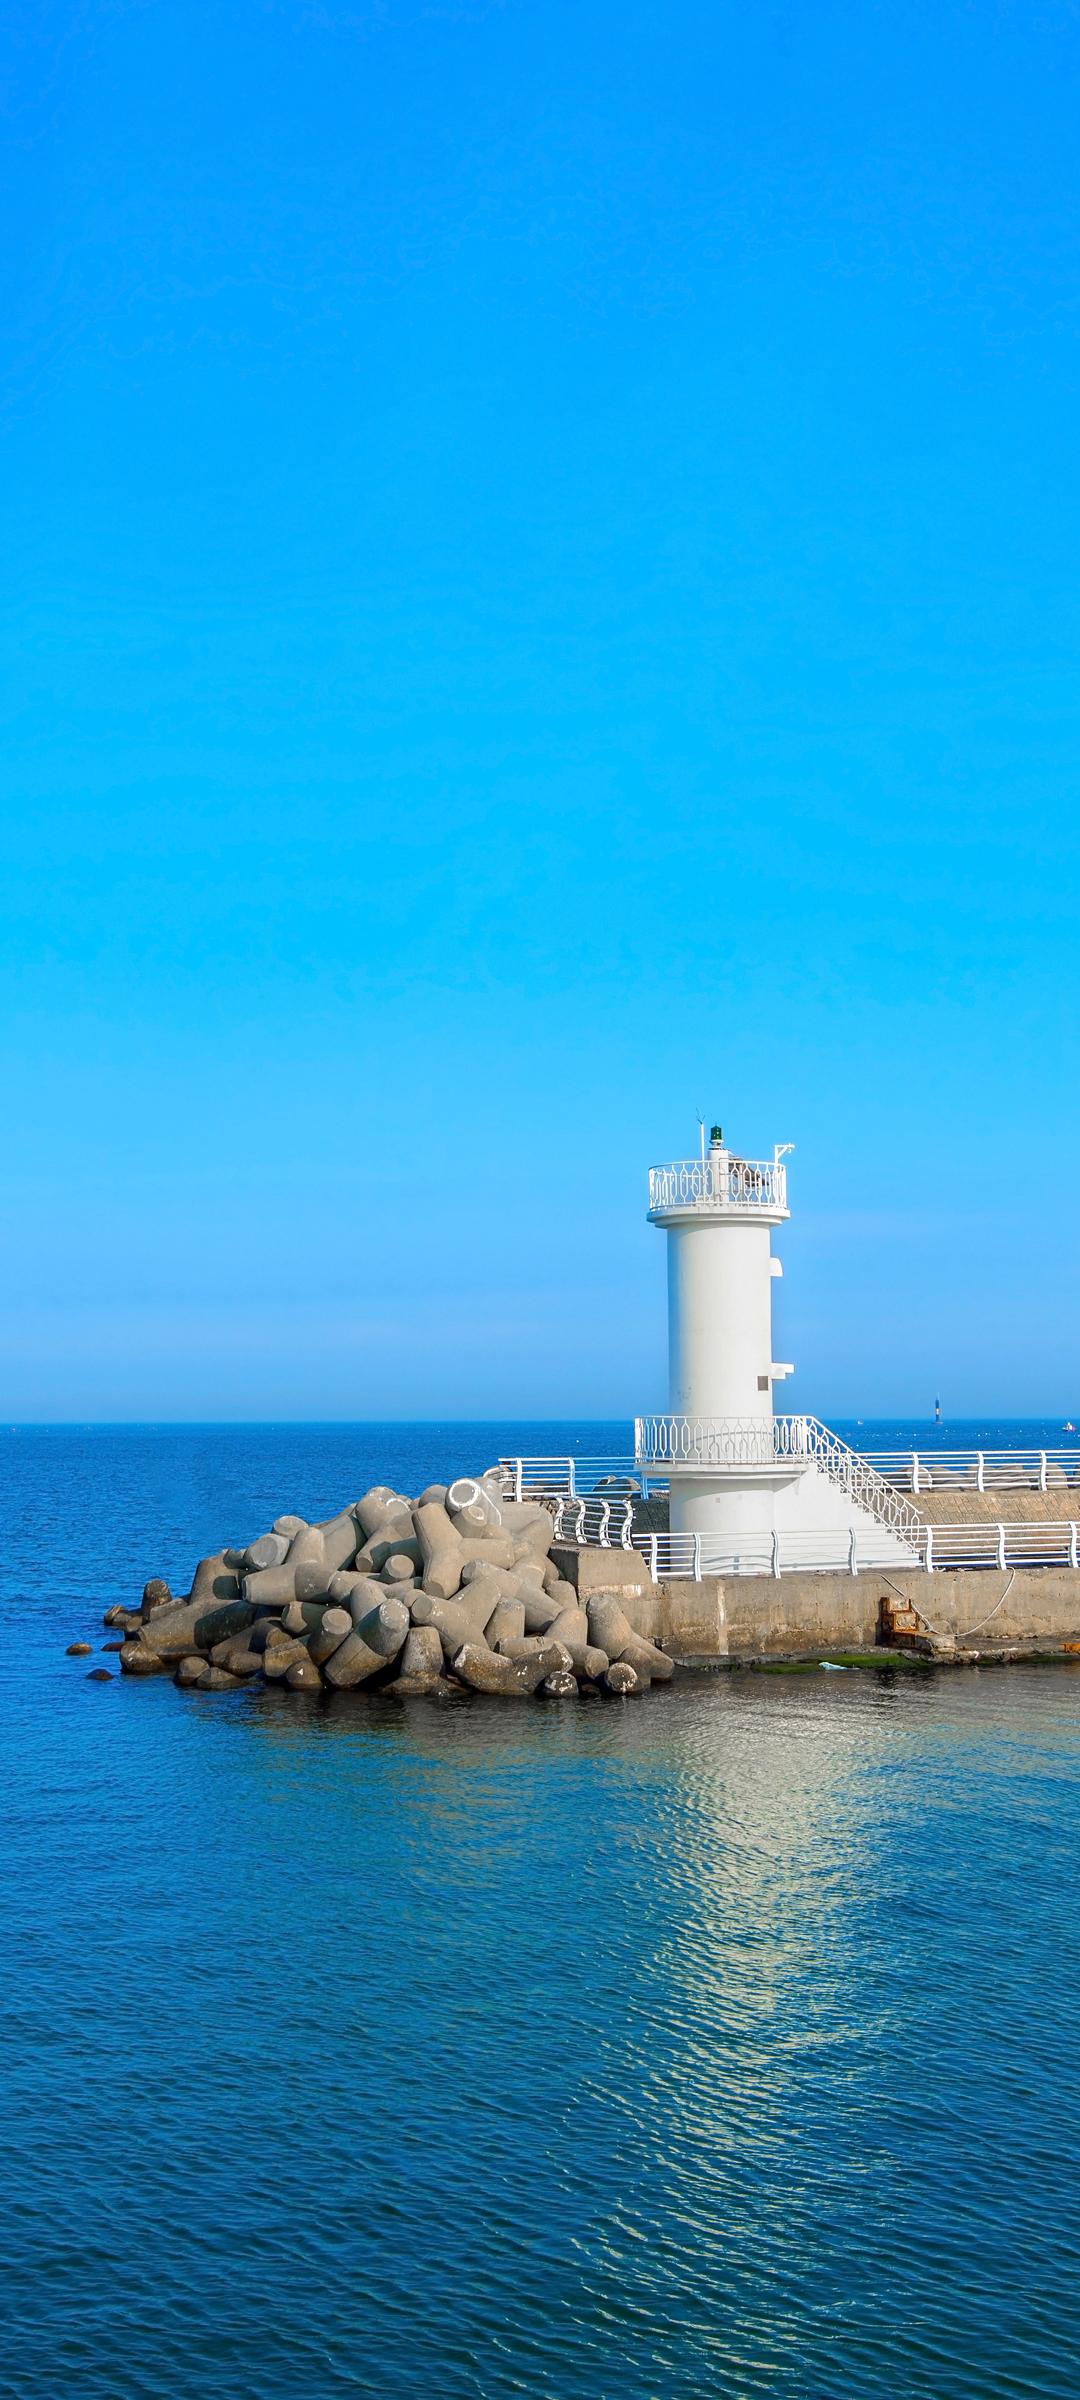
x,y
622,1678
78,1649
137,1659
304,1676
422,1657
353,1663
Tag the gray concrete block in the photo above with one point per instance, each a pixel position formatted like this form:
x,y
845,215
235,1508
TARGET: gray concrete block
x,y
270,1550
441,1551
270,1587
301,1617
395,1537
541,1610
570,1626
192,1625
472,1507
375,1505
137,1658
354,1663
334,1629
490,1671
506,1623
303,1676
279,1657
214,1583
488,1550
423,1653
622,1679
385,1627
452,1622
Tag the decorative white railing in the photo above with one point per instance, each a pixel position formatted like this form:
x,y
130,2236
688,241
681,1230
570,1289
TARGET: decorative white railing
x,y
976,1470
599,1524
720,1441
719,1181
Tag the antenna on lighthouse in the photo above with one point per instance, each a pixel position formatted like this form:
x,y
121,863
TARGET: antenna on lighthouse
x,y
701,1128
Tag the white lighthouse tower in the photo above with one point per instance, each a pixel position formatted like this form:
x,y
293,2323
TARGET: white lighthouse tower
x,y
720,1439
735,1467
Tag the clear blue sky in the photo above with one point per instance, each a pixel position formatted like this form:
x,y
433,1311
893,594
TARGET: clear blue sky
x,y
539,592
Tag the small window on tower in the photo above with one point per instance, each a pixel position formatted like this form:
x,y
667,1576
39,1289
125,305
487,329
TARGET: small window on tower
x,y
763,1382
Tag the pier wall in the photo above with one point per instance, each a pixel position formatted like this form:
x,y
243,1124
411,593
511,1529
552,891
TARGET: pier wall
x,y
758,1616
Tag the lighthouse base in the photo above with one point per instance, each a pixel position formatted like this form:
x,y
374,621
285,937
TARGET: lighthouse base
x,y
724,1506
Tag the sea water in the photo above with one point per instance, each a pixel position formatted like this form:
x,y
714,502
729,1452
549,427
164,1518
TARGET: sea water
x,y
720,2042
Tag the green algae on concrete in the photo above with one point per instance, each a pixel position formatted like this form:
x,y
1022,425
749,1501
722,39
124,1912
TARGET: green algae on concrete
x,y
908,1662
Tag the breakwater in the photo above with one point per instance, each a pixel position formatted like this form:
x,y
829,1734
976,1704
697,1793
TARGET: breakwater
x,y
455,1588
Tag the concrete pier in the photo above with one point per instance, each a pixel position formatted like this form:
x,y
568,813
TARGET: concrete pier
x,y
748,1617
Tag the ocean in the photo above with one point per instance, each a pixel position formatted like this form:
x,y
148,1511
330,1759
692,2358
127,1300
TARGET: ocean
x,y
718,2043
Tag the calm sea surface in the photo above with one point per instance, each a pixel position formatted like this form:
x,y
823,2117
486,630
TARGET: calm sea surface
x,y
721,2042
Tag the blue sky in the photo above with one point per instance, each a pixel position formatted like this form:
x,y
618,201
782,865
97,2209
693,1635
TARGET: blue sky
x,y
539,595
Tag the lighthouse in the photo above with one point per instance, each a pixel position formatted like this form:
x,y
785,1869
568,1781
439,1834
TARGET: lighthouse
x,y
720,1442
734,1467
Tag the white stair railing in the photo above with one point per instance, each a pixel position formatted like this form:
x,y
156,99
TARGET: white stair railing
x,y
852,1474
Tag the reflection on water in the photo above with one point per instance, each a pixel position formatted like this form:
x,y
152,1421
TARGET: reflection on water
x,y
717,2043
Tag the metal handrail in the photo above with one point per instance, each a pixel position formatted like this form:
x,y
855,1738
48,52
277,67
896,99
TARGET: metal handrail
x,y
547,1478
595,1523
844,1551
982,1470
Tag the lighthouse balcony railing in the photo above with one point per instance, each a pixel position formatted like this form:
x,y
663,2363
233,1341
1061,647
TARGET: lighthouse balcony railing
x,y
720,1441
719,1183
